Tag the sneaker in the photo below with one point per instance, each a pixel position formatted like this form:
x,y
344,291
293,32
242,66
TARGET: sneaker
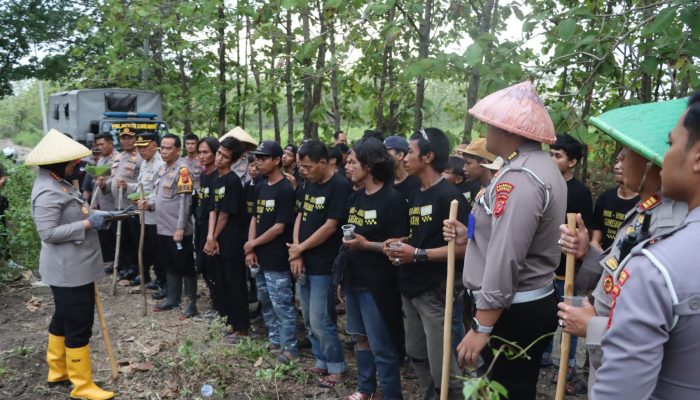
x,y
152,285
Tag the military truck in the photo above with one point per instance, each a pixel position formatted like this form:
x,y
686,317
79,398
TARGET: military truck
x,y
86,113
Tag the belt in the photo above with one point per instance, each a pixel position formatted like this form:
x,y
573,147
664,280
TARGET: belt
x,y
523,297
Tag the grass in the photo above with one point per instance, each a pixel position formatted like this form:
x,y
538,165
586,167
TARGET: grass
x,y
28,138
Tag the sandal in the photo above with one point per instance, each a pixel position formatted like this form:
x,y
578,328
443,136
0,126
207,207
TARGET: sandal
x,y
274,348
569,375
316,371
234,337
331,381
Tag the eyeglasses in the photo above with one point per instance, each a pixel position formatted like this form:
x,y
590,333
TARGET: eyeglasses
x,y
425,135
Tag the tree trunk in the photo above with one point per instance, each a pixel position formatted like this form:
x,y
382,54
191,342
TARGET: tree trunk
x,y
239,95
256,76
645,90
307,78
273,90
485,25
383,124
185,88
222,68
288,78
423,52
320,65
334,77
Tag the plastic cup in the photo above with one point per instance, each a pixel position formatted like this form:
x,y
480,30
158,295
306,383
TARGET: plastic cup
x,y
348,231
254,269
395,246
575,301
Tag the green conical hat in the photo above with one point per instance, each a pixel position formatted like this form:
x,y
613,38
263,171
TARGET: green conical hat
x,y
643,127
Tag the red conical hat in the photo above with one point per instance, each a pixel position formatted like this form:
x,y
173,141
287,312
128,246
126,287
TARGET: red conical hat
x,y
517,109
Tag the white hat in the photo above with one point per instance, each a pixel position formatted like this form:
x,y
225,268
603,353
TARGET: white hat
x,y
9,152
54,148
248,142
495,165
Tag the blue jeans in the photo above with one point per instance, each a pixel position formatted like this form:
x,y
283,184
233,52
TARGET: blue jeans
x,y
458,320
314,297
364,319
277,303
559,288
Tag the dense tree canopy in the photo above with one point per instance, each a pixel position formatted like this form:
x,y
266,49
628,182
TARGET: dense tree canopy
x,y
311,67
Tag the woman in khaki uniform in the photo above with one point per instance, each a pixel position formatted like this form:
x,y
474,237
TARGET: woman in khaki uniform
x,y
70,261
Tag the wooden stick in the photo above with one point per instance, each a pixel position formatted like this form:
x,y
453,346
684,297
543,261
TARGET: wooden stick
x,y
105,334
119,242
565,337
449,301
142,218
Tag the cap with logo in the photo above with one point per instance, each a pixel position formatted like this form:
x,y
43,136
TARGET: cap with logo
x,y
396,143
144,139
127,131
268,148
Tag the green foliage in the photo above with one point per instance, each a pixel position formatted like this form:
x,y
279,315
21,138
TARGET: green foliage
x,y
21,242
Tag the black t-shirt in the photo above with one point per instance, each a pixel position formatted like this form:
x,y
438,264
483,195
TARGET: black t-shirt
x,y
469,189
200,199
406,186
609,213
227,196
249,189
321,202
274,204
578,200
377,217
426,211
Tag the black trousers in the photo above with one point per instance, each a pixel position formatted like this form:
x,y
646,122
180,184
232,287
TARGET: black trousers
x,y
108,239
229,290
201,259
129,245
150,254
74,314
176,261
522,323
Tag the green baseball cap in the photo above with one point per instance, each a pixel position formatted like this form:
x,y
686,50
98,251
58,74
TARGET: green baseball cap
x,y
643,128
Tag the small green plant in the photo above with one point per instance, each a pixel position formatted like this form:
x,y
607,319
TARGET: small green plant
x,y
484,388
251,349
23,351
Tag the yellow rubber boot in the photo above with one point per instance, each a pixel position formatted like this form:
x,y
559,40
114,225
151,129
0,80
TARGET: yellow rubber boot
x,y
80,374
56,359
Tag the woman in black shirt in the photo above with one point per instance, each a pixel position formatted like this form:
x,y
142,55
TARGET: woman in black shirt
x,y
370,281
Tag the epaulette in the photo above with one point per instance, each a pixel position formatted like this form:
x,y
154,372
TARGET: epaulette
x,y
652,202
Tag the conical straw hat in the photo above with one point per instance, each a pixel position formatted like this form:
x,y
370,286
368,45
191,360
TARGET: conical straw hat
x,y
643,127
519,110
54,148
248,142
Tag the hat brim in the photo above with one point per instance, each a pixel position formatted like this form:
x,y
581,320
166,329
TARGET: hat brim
x,y
55,148
643,128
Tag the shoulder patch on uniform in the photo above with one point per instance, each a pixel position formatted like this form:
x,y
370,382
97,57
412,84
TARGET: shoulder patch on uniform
x,y
650,203
612,263
503,191
623,277
184,181
513,155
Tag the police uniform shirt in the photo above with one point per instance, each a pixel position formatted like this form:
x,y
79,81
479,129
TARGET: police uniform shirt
x,y
478,234
105,200
665,215
240,167
196,169
648,353
148,175
527,201
173,198
125,166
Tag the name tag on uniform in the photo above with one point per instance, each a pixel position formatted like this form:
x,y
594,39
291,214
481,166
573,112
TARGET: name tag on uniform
x,y
270,203
371,214
426,210
320,201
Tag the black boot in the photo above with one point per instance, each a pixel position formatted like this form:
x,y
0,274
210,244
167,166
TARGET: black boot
x,y
191,293
174,294
160,294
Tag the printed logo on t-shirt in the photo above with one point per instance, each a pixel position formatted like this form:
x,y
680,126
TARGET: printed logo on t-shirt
x,y
418,215
312,203
219,193
203,193
264,206
612,222
362,217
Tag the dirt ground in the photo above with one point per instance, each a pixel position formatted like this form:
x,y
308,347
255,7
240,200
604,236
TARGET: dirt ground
x,y
162,355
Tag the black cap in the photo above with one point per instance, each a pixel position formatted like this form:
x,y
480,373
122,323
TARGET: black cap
x,y
291,147
268,148
145,138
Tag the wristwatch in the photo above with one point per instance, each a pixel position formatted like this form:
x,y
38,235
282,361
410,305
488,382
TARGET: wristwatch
x,y
477,327
420,255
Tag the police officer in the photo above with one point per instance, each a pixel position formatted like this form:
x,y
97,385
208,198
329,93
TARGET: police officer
x,y
651,348
146,144
512,239
171,201
654,214
125,170
70,261
104,199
